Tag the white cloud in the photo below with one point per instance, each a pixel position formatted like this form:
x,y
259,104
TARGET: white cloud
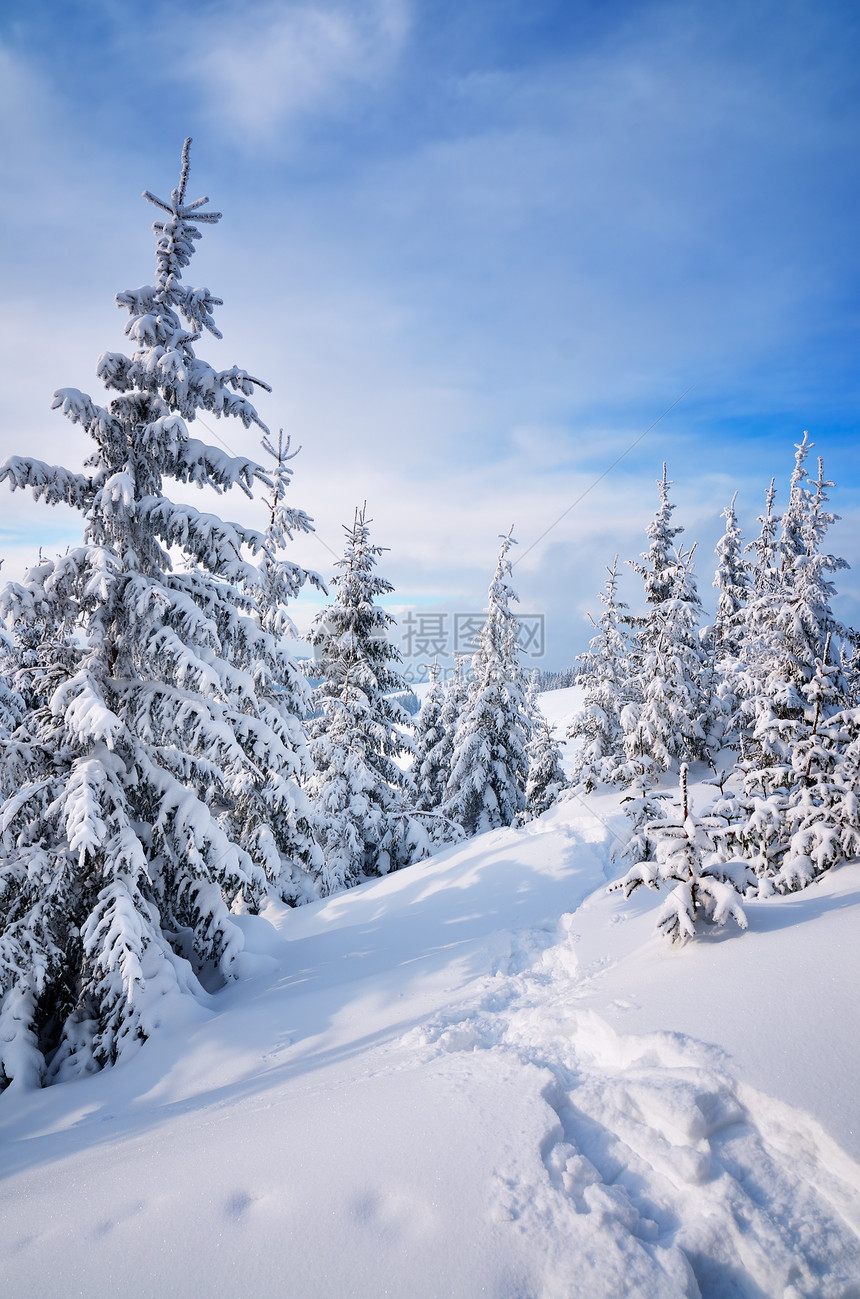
x,y
464,329
265,66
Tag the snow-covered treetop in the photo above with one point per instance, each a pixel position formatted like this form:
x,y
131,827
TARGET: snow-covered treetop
x,y
164,747
284,521
164,362
609,595
499,634
358,581
818,520
352,648
603,661
764,546
792,540
141,436
658,571
732,580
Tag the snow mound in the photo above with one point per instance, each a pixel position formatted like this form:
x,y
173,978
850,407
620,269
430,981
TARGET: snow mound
x,y
480,1075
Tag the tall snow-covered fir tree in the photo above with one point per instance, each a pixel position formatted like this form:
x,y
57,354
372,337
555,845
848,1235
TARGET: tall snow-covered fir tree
x,y
765,563
289,816
725,636
603,672
455,696
546,779
431,769
789,617
13,711
808,621
669,717
158,740
489,767
454,703
732,580
814,806
361,795
789,681
798,810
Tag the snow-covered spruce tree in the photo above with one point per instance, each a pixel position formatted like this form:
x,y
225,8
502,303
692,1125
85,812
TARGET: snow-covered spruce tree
x,y
725,637
454,701
791,686
732,580
12,713
756,631
670,716
642,805
765,563
789,620
489,766
546,779
431,769
706,890
815,803
843,795
289,825
532,692
809,620
12,706
849,655
156,743
361,796
800,816
603,672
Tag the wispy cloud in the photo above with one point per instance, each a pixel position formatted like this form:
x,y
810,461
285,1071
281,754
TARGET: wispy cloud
x,y
264,66
501,248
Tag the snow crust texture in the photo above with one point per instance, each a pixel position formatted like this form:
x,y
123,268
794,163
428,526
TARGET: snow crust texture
x,y
432,1086
665,1176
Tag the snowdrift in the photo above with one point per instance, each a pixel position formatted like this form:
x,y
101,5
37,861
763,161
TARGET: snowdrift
x,y
477,1076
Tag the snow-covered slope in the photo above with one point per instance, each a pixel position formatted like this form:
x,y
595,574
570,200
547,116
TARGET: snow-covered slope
x,y
478,1076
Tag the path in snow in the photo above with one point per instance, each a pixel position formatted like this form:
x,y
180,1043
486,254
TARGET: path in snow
x,y
422,1094
699,1184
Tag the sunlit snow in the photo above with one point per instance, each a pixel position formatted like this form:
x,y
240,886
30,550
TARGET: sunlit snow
x,y
480,1075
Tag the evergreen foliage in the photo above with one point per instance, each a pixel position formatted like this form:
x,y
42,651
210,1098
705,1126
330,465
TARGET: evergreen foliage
x,y
546,779
669,717
604,673
157,741
455,697
288,815
706,890
361,794
13,711
732,580
432,766
643,806
789,618
785,674
489,766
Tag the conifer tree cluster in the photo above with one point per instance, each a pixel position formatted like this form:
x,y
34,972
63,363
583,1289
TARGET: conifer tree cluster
x,y
485,757
166,761
169,763
646,677
772,682
155,774
364,797
489,764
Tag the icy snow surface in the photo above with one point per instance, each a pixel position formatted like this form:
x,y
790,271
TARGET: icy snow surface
x,y
480,1076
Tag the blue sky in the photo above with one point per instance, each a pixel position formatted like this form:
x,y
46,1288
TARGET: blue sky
x,y
476,248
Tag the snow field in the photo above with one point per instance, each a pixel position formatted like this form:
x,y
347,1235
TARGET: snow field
x,y
477,1076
